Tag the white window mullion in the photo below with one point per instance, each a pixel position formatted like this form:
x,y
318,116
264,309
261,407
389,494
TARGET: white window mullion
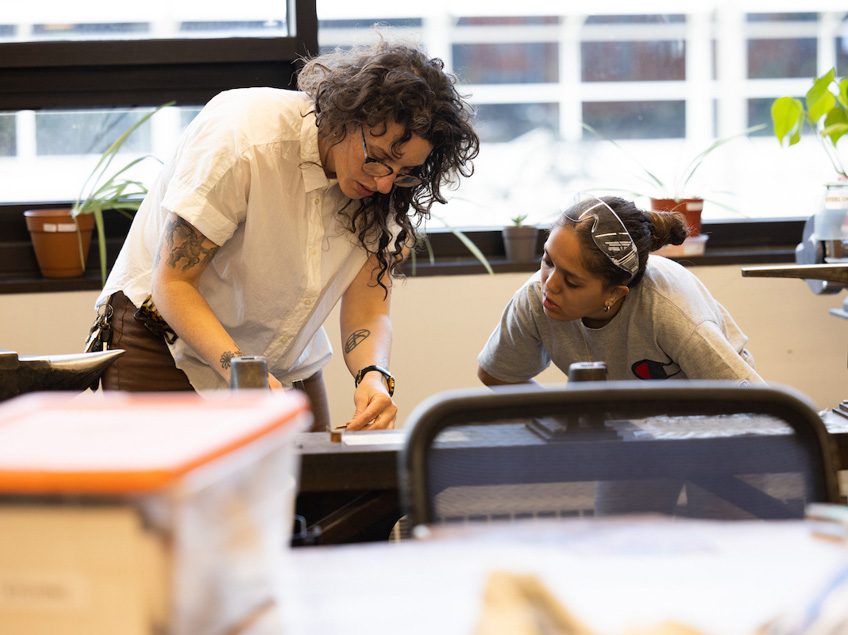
x,y
732,71
437,35
570,63
699,78
25,135
829,26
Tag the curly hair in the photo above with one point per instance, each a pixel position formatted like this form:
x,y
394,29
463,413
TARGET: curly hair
x,y
374,85
649,231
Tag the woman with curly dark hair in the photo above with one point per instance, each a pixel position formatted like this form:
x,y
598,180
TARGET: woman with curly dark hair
x,y
600,296
276,205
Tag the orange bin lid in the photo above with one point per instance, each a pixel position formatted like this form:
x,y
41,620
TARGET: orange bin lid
x,y
120,443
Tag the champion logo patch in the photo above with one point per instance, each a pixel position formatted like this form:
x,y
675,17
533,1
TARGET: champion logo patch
x,y
650,369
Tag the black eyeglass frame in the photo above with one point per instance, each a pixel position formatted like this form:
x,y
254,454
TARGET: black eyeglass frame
x,y
375,167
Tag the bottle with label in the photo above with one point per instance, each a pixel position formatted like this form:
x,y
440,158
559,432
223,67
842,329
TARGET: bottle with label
x,y
831,222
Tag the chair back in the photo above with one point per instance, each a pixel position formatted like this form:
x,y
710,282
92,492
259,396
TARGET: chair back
x,y
704,449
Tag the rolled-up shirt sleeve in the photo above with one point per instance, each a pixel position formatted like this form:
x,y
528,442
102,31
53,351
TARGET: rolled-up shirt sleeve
x,y
514,351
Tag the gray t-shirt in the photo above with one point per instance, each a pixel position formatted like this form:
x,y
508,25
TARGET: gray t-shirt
x,y
668,327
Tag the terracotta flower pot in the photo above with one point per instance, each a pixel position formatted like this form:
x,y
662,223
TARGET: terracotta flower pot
x,y
520,242
691,208
61,242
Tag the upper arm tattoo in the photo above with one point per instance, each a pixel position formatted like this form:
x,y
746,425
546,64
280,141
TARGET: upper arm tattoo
x,y
355,339
185,245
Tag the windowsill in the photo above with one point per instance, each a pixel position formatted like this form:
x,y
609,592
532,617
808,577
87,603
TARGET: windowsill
x,y
712,257
441,267
731,243
38,284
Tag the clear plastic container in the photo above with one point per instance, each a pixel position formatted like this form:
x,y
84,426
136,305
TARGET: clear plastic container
x,y
144,513
831,222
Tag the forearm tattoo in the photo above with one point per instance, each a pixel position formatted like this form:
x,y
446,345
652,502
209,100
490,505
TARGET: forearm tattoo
x,y
356,339
227,357
185,245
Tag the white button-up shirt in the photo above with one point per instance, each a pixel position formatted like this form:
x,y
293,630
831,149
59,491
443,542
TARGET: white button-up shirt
x,y
248,176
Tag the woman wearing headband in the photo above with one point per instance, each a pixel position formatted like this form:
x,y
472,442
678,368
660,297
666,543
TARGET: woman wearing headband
x,y
598,296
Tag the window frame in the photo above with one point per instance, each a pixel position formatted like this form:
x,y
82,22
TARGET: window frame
x,y
190,71
761,241
132,72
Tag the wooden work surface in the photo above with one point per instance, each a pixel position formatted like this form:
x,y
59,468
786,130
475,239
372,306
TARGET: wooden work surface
x,y
341,466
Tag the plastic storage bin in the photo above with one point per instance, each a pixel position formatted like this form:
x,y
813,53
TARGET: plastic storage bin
x,y
144,513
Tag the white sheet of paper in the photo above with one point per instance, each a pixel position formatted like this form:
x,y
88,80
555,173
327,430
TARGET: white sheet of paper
x,y
377,437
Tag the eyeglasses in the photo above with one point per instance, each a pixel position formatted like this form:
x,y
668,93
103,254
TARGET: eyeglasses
x,y
373,167
612,238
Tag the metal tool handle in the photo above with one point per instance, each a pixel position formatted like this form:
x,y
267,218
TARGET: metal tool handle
x,y
587,371
248,371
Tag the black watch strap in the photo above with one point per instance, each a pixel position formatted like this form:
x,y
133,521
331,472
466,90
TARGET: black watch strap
x,y
390,380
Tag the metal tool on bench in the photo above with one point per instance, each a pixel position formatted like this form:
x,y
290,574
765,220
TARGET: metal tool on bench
x,y
78,371
570,424
248,371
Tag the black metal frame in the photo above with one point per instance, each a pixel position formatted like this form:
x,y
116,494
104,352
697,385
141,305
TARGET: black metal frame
x,y
637,399
190,71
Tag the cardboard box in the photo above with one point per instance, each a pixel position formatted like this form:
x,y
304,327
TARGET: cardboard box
x,y
144,513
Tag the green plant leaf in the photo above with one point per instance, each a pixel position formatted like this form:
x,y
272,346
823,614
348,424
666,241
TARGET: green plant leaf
x,y
699,158
787,116
429,247
835,126
651,177
475,251
421,240
842,95
518,220
101,244
465,240
822,103
99,193
819,98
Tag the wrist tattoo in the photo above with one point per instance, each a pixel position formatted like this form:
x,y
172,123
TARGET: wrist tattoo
x,y
227,357
355,339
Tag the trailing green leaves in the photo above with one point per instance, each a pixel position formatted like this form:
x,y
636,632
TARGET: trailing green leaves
x,y
103,190
677,189
825,109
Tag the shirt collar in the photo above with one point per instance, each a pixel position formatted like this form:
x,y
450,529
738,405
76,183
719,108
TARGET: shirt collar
x,y
313,172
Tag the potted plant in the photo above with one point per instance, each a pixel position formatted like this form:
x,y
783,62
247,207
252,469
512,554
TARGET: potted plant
x,y
62,236
675,196
825,110
520,240
60,241
422,242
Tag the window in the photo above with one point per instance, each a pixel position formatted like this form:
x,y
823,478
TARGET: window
x,y
661,86
74,75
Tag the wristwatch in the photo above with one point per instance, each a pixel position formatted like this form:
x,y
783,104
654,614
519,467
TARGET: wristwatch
x,y
390,380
